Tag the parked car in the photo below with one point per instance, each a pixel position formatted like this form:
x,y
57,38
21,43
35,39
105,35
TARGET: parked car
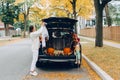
x,y
59,47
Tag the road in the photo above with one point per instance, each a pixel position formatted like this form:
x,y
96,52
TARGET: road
x,y
15,60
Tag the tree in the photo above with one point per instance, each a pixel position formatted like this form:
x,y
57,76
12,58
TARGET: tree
x,y
25,10
52,7
74,8
99,6
9,12
114,13
109,21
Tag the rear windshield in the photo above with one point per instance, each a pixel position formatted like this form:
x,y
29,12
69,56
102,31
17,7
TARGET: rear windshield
x,y
59,34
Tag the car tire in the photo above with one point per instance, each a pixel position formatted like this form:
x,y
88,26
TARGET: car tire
x,y
77,65
80,55
37,64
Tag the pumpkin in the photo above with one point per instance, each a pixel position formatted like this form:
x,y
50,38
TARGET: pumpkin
x,y
66,51
50,51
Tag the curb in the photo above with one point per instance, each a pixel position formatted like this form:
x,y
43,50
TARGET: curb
x,y
97,69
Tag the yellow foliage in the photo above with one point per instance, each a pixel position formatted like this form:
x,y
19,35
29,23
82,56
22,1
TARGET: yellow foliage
x,y
18,1
33,9
21,17
56,7
58,12
36,14
68,6
15,20
44,3
84,8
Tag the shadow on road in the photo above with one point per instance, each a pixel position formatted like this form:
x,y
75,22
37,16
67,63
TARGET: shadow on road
x,y
52,66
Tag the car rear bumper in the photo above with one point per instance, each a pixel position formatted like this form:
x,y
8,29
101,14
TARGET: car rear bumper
x,y
46,58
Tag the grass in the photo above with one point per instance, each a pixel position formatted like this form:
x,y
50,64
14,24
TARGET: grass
x,y
108,58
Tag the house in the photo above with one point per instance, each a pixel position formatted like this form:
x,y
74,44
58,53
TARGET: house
x,y
83,23
110,33
2,30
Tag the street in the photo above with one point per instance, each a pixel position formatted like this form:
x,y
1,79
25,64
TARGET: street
x,y
15,61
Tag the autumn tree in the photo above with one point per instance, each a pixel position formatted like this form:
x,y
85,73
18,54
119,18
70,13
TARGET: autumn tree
x,y
25,11
99,6
77,8
74,8
26,8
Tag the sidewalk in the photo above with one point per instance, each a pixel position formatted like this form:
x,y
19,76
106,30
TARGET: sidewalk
x,y
116,45
6,38
10,41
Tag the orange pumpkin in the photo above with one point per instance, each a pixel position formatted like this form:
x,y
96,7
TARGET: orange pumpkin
x,y
50,51
67,51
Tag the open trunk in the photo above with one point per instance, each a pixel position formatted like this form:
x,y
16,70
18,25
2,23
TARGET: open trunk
x,y
59,44
60,35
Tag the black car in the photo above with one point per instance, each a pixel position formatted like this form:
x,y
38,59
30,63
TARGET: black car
x,y
59,47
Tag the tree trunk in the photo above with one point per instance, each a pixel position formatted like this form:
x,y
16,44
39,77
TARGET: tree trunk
x,y
99,28
25,21
25,25
6,29
107,16
99,22
74,13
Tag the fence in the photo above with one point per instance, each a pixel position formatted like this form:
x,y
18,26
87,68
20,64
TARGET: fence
x,y
110,33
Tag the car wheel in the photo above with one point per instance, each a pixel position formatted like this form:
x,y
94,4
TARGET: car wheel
x,y
77,65
74,65
37,64
80,55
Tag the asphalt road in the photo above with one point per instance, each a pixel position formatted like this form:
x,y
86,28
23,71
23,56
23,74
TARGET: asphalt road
x,y
15,60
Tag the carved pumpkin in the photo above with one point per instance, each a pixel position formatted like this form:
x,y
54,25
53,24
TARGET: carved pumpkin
x,y
67,51
50,51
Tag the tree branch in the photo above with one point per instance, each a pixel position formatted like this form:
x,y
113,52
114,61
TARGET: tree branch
x,y
104,2
71,2
97,4
79,10
28,9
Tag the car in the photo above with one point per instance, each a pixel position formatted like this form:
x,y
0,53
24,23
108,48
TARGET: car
x,y
59,47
